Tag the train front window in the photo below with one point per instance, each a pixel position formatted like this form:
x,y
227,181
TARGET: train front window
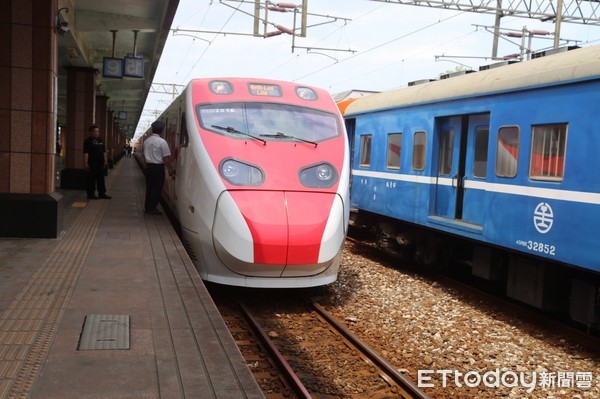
x,y
548,144
266,120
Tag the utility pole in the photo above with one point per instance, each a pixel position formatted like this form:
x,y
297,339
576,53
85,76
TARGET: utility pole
x,y
557,22
499,15
525,46
261,14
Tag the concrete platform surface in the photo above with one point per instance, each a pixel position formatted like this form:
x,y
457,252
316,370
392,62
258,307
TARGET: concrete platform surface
x,y
151,328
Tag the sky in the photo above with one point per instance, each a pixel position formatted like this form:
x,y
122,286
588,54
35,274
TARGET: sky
x,y
350,45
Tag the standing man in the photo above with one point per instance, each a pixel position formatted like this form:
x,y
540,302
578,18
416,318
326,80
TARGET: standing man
x,y
95,162
156,155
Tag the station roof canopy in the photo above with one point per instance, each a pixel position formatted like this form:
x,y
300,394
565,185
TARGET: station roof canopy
x,y
129,30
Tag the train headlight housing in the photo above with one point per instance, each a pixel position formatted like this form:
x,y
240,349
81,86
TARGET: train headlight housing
x,y
306,93
322,175
240,173
221,87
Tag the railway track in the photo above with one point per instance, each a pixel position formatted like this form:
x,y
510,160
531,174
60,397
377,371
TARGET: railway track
x,y
329,368
311,354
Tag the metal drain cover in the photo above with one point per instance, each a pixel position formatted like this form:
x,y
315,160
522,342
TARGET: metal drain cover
x,y
105,331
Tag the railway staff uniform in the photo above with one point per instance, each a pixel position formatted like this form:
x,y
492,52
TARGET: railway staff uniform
x,y
95,163
156,155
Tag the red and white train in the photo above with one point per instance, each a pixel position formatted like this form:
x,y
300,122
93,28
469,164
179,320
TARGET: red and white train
x,y
261,182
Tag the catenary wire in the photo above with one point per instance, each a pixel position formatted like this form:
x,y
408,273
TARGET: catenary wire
x,y
380,45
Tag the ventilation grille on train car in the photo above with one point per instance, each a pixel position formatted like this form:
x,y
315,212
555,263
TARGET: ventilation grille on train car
x,y
454,74
508,61
190,251
496,65
420,82
545,53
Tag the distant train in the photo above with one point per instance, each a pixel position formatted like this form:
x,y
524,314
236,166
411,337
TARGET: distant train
x,y
261,182
507,158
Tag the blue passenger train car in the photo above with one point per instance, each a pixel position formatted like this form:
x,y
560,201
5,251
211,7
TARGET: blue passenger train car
x,y
507,157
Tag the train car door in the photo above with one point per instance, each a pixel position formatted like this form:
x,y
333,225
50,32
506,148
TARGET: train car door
x,y
461,163
181,159
351,131
475,173
448,134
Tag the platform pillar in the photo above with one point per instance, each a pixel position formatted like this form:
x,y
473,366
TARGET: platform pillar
x,y
102,122
29,205
110,129
81,109
117,140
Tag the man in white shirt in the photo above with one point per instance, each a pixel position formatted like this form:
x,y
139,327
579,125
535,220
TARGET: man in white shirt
x,y
156,155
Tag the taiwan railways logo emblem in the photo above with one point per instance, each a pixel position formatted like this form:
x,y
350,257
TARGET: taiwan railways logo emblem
x,y
543,217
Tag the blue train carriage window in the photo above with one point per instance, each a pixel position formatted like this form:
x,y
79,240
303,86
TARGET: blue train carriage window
x,y
507,151
548,143
446,151
419,148
482,135
394,148
365,150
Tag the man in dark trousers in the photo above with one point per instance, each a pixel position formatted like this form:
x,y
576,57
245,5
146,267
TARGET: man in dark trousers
x,y
95,162
156,155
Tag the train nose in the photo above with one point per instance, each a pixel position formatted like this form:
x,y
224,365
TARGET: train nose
x,y
275,233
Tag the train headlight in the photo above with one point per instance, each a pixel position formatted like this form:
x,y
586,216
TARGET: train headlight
x,y
306,94
240,173
221,87
322,175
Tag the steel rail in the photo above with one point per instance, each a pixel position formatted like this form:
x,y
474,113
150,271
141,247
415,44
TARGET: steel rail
x,y
409,388
289,374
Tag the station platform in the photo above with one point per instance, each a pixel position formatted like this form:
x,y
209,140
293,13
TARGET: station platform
x,y
113,308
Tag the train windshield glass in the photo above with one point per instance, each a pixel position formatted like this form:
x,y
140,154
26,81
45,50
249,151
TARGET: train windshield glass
x,y
267,120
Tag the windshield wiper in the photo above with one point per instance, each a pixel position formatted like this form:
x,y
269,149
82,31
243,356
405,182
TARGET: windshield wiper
x,y
230,129
280,135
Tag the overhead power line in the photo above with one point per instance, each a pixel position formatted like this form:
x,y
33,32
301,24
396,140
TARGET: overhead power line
x,y
572,11
557,11
262,13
